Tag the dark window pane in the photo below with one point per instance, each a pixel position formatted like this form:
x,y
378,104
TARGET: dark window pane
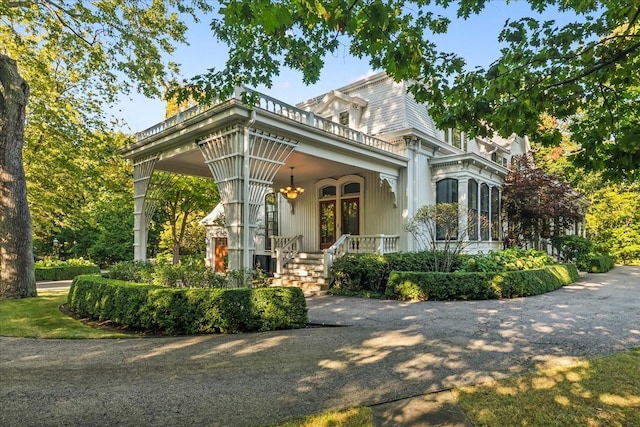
x,y
328,191
351,188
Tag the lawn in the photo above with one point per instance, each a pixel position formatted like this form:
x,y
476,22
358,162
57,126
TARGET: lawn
x,y
41,317
598,392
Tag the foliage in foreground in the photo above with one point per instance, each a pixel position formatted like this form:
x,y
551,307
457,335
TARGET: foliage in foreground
x,y
40,317
187,310
423,286
598,392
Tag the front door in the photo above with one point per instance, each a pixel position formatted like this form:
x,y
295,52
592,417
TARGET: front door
x,y
327,223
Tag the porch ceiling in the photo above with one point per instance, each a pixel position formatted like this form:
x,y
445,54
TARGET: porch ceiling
x,y
306,167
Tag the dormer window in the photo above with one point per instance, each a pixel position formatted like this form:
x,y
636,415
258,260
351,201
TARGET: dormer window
x,y
455,137
343,119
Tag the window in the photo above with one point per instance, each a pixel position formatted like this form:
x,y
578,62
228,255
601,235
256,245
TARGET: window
x,y
270,218
328,191
455,137
495,213
484,212
351,188
472,191
343,118
446,192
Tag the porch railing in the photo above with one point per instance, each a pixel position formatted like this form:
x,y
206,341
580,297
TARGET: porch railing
x,y
280,108
375,244
285,248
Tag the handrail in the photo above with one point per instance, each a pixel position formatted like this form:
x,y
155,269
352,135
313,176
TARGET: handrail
x,y
336,250
285,252
373,244
272,105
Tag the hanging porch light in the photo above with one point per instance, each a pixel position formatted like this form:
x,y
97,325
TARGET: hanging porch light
x,y
291,191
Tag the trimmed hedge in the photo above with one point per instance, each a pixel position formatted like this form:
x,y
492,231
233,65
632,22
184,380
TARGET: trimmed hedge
x,y
598,264
66,272
423,286
187,310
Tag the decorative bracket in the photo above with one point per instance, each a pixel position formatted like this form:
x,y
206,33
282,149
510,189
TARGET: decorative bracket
x,y
392,181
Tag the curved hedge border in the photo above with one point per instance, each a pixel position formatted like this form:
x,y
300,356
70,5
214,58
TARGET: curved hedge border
x,y
423,286
64,273
187,310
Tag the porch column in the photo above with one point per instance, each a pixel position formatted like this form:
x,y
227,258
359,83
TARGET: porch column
x,y
142,171
463,208
243,162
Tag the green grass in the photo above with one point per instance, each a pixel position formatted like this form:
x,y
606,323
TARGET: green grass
x,y
598,392
41,317
354,417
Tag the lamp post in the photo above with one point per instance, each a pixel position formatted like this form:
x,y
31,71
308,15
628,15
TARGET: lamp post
x,y
56,248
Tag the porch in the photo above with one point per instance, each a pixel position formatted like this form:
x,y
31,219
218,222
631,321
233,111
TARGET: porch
x,y
249,151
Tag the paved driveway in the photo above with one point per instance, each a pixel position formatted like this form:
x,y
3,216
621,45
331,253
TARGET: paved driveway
x,y
389,350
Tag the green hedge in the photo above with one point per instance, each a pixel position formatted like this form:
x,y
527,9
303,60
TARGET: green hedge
x,y
66,272
598,264
425,286
187,310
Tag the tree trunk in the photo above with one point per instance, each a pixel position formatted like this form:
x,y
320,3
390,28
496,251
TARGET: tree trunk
x,y
17,277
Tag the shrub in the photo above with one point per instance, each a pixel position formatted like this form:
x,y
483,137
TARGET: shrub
x,y
187,310
628,253
353,273
511,259
132,271
571,247
50,270
597,263
425,286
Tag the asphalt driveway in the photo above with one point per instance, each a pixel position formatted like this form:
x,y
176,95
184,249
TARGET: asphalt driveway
x,y
385,350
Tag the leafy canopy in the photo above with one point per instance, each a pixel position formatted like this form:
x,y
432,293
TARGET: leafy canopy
x,y
583,72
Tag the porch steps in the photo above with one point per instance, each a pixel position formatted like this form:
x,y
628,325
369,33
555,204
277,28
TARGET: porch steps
x,y
305,271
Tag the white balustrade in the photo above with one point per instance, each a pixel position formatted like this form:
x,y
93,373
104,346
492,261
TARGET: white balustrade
x,y
284,249
272,105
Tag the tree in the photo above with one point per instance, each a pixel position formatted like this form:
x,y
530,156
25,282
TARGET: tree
x,y
182,200
583,73
439,227
537,204
17,276
95,51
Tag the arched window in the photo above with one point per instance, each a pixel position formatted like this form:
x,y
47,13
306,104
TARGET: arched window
x,y
447,191
270,218
351,188
472,192
495,213
328,191
484,212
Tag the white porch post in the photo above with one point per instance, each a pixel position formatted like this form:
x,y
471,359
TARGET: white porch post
x,y
142,171
463,207
243,162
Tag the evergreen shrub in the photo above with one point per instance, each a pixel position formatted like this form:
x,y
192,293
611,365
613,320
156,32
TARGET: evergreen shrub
x,y
50,270
354,273
187,310
597,263
423,286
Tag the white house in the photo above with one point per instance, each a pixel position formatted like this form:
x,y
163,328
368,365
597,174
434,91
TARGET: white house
x,y
367,156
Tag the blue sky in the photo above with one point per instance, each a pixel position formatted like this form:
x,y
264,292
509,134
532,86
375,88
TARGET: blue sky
x,y
475,39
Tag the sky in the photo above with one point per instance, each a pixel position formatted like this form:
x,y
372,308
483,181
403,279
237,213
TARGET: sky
x,y
475,39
